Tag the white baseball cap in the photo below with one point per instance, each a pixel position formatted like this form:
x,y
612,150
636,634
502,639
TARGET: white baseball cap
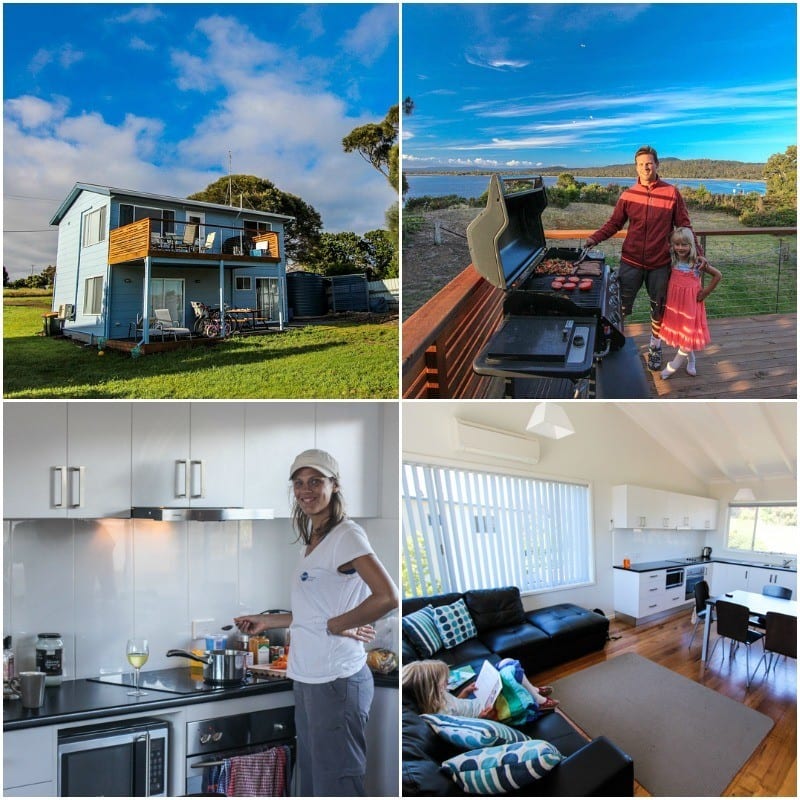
x,y
316,459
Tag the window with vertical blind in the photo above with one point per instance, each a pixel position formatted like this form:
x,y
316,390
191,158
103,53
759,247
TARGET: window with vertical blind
x,y
480,530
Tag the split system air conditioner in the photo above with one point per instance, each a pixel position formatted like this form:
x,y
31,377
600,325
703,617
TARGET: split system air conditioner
x,y
505,445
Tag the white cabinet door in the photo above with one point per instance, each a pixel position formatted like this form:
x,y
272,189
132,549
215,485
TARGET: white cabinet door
x,y
160,454
681,510
757,578
67,460
34,459
626,592
29,762
99,458
351,433
216,464
640,507
274,433
188,454
704,514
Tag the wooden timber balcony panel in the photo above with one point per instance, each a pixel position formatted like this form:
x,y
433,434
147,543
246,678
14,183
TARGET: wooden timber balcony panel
x,y
130,242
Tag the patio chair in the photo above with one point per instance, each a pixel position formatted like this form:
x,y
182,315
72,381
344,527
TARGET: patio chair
x,y
190,235
163,322
209,245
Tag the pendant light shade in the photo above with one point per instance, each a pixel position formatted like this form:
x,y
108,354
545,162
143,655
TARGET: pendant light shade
x,y
744,495
551,421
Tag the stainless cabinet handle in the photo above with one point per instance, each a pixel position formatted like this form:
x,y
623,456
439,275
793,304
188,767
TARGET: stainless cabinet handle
x,y
58,487
201,482
79,473
184,473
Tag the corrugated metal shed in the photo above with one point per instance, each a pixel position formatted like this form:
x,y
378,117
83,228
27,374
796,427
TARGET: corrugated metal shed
x,y
349,293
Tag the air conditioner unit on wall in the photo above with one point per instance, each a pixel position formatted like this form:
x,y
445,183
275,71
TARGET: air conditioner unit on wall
x,y
505,445
66,311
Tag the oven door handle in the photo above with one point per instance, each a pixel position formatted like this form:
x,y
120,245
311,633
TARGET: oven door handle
x,y
146,739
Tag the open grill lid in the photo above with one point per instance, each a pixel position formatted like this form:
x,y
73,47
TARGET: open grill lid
x,y
507,237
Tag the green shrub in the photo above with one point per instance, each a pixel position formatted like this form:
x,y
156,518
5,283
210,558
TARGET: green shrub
x,y
769,218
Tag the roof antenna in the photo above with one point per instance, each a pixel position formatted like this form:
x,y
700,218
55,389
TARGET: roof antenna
x,y
230,180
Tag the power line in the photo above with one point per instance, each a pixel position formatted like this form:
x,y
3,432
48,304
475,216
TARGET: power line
x,y
39,230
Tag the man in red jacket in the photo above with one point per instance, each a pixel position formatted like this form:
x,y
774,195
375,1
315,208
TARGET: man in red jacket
x,y
652,208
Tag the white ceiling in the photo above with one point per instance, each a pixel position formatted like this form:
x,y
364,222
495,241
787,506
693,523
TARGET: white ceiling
x,y
724,441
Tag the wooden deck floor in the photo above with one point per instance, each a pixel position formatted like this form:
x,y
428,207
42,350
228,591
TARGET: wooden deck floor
x,y
749,357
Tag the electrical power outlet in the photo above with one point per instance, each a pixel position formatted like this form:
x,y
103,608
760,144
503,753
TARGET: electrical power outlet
x,y
200,627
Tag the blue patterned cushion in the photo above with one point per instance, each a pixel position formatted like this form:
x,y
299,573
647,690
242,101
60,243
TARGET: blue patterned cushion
x,y
454,624
469,733
502,769
420,630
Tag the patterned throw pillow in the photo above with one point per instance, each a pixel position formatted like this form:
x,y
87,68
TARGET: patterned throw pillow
x,y
420,629
501,769
454,624
470,733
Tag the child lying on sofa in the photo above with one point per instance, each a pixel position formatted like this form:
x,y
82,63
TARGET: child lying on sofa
x,y
518,702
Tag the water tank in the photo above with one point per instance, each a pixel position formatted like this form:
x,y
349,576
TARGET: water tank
x,y
349,293
306,294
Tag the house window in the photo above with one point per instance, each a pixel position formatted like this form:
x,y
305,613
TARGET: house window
x,y
93,295
169,293
763,528
253,227
477,530
94,227
244,283
268,298
164,219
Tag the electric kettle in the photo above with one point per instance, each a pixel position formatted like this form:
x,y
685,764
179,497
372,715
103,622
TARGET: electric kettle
x,y
706,553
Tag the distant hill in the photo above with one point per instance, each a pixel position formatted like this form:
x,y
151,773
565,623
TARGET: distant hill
x,y
668,168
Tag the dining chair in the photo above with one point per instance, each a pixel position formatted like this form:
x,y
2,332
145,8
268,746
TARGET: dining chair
x,y
770,590
701,595
780,638
733,622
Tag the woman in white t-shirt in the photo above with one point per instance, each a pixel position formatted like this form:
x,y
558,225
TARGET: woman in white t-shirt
x,y
338,589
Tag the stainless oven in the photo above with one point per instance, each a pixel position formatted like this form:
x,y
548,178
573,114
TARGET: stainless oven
x,y
675,577
114,759
693,576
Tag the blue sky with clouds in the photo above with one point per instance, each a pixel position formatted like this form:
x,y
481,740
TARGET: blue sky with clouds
x,y
153,98
584,85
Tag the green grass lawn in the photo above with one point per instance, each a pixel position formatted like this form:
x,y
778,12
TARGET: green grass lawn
x,y
346,358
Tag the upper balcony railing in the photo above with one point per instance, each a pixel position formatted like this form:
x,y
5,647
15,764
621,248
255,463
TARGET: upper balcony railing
x,y
442,338
159,236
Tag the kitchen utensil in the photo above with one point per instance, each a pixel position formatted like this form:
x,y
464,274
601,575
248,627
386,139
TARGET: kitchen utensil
x,y
706,553
30,686
222,667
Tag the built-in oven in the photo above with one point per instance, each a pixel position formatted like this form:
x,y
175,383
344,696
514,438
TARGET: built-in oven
x,y
213,745
114,759
693,576
674,577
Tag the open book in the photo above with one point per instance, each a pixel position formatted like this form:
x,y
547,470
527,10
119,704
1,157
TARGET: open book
x,y
488,685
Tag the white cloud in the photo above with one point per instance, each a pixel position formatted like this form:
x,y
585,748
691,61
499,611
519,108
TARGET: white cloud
x,y
375,31
141,15
65,56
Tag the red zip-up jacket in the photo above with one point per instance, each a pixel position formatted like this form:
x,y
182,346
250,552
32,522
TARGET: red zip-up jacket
x,y
651,213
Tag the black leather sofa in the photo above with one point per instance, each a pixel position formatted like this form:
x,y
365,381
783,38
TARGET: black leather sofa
x,y
596,768
537,639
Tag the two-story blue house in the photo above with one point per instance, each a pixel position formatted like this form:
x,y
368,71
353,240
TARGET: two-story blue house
x,y
122,254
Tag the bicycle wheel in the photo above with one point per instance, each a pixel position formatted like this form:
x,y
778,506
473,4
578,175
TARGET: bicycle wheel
x,y
211,329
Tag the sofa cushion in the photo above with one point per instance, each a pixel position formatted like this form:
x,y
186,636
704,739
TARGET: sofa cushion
x,y
412,604
513,637
500,769
468,733
568,621
495,608
454,624
420,629
473,652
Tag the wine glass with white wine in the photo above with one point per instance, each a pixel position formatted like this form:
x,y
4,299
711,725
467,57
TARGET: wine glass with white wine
x,y
138,653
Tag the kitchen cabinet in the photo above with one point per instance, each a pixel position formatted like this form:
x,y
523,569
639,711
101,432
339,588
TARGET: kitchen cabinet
x,y
640,595
29,762
351,433
274,434
727,577
657,509
67,460
188,454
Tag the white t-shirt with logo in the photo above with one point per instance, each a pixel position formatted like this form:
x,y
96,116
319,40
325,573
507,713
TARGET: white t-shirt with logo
x,y
319,592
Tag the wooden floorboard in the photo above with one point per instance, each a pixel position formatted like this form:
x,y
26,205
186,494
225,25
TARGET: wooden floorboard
x,y
748,358
772,769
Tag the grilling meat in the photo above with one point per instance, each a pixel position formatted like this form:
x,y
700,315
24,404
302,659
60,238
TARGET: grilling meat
x,y
556,266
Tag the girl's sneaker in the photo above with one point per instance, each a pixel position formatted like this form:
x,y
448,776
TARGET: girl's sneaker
x,y
654,358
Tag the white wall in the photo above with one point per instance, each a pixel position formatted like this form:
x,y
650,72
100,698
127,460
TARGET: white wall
x,y
97,582
606,449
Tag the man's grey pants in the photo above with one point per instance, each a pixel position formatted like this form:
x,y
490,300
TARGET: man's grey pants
x,y
331,719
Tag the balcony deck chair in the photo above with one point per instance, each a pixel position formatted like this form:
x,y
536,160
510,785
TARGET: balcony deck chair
x,y
163,322
209,245
190,235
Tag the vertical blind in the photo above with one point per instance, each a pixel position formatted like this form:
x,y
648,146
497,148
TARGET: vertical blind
x,y
476,530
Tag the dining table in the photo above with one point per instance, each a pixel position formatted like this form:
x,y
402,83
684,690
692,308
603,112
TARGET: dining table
x,y
756,602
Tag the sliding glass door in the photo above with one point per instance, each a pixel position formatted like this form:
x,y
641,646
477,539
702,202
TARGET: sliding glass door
x,y
168,293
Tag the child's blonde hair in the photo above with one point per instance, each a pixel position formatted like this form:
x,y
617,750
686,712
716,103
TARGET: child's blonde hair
x,y
683,236
425,682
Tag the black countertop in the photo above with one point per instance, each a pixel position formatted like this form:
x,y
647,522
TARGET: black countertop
x,y
647,566
79,700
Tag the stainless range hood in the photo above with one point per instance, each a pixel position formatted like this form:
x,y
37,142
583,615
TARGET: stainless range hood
x,y
176,514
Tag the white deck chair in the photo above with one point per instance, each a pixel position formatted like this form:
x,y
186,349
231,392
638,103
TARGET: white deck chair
x,y
209,245
190,235
163,321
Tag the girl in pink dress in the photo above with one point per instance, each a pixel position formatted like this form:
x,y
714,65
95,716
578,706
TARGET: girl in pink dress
x,y
684,323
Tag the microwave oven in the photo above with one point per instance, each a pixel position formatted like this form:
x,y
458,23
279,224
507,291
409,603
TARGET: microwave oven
x,y
115,759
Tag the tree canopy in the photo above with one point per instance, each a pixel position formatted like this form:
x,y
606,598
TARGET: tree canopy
x,y
780,175
259,194
346,252
376,143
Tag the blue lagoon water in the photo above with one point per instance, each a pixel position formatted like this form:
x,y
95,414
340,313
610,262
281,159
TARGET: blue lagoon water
x,y
475,185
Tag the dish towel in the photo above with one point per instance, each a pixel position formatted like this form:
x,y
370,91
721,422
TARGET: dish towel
x,y
258,774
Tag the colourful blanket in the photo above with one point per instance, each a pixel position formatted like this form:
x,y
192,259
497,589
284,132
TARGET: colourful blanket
x,y
514,705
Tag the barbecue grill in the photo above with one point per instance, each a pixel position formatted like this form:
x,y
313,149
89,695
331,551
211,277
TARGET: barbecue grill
x,y
550,329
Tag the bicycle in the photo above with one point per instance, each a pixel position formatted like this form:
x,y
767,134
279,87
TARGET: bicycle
x,y
208,322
